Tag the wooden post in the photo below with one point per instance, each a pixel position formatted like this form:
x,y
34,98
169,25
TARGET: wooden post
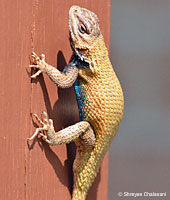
x,y
41,172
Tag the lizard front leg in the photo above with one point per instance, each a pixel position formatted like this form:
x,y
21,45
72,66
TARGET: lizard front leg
x,y
80,130
63,79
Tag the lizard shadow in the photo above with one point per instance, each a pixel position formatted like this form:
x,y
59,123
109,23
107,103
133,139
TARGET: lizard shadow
x,y
63,113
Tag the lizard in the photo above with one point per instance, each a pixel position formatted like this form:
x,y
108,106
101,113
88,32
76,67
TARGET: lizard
x,y
99,95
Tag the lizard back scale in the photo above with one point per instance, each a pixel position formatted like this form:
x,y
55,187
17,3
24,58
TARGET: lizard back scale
x,y
99,95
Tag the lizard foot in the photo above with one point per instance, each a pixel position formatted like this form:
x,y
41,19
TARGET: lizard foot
x,y
38,63
47,125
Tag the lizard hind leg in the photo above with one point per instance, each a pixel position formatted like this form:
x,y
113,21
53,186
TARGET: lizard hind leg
x,y
81,129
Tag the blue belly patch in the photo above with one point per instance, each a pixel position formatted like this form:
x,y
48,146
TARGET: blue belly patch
x,y
79,97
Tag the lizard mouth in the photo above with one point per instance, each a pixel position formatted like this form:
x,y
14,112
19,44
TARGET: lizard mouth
x,y
76,24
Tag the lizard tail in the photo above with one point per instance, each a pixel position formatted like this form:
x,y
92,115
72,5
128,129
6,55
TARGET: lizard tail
x,y
86,167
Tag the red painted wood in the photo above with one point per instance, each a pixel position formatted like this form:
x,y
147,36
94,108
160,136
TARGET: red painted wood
x,y
15,88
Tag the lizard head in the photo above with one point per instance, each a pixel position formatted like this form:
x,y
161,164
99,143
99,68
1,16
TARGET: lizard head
x,y
84,30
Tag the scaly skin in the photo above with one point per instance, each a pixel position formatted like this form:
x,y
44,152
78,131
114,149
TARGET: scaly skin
x,y
99,95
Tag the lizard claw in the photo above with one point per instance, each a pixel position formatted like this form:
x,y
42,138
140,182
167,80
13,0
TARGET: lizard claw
x,y
35,58
36,74
47,124
38,63
42,57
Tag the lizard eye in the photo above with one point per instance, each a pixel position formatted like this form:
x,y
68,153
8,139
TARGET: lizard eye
x,y
83,29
